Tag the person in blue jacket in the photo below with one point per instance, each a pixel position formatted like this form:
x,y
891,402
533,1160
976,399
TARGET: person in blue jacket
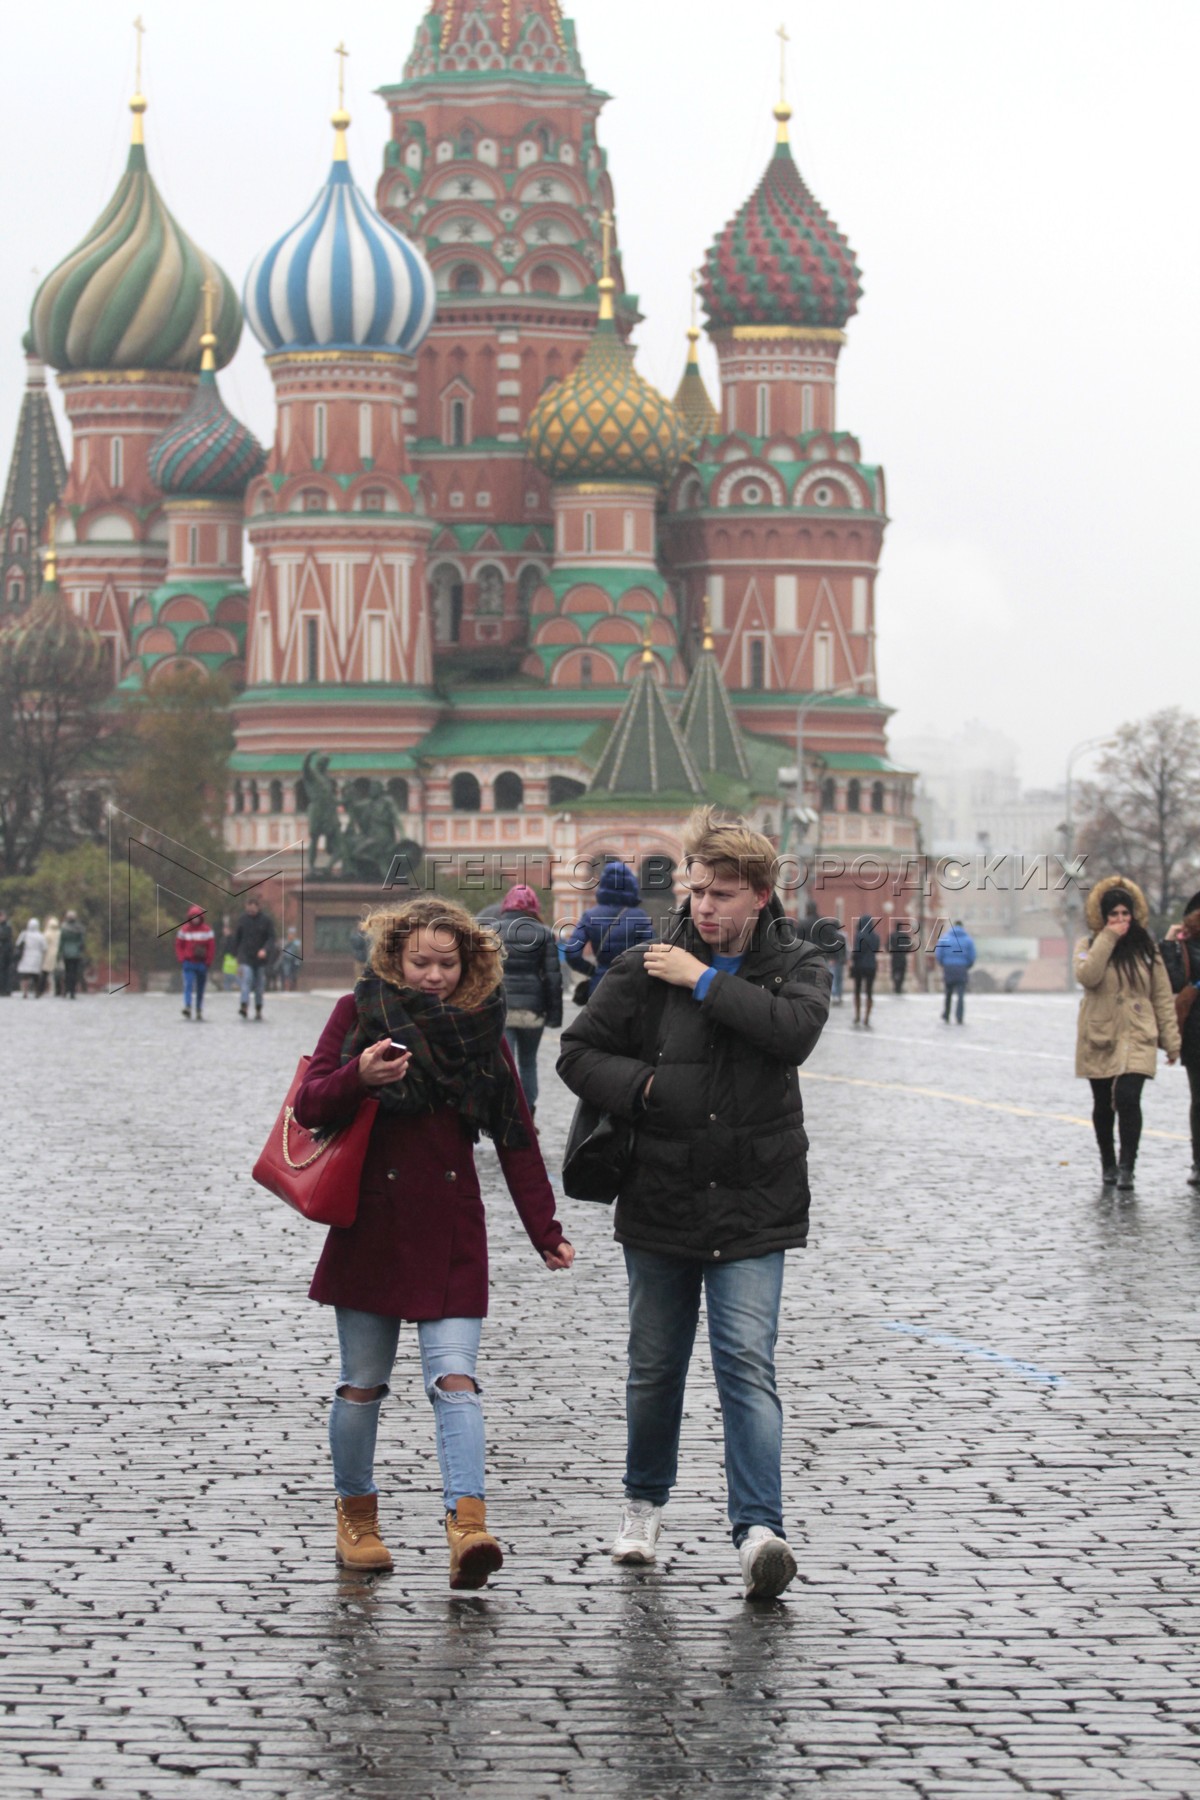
x,y
615,923
955,955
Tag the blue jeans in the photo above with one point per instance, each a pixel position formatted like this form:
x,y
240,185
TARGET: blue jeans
x,y
955,985
368,1351
523,1041
742,1300
195,976
252,975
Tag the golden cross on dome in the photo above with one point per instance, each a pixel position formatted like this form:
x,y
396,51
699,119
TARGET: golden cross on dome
x,y
210,290
607,284
208,342
647,652
706,614
783,111
50,566
141,32
341,53
137,105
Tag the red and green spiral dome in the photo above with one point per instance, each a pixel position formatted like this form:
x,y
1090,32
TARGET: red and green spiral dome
x,y
781,260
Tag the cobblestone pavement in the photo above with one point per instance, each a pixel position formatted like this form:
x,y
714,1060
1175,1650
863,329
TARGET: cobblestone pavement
x,y
989,1368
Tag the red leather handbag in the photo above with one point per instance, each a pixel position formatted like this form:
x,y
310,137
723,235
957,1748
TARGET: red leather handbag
x,y
318,1174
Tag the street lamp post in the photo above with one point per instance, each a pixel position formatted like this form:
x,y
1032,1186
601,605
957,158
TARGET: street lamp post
x,y
1069,905
802,815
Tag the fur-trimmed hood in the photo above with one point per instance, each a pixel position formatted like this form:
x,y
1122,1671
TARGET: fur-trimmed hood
x,y
1092,913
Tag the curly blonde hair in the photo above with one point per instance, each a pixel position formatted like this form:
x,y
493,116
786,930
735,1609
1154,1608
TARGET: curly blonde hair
x,y
388,928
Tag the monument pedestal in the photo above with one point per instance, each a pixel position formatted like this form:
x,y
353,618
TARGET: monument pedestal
x,y
332,911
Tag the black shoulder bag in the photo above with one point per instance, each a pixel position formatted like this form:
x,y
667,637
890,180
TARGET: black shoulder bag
x,y
600,1147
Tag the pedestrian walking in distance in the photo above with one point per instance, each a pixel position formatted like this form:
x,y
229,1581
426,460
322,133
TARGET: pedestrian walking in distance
x,y
417,1250
71,949
955,956
254,947
1126,1015
615,923
696,1040
51,973
7,956
532,982
1180,951
864,966
195,948
31,960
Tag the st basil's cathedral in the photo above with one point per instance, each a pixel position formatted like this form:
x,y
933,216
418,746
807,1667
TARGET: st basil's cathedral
x,y
495,575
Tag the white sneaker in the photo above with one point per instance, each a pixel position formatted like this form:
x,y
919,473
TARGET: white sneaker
x,y
637,1533
767,1563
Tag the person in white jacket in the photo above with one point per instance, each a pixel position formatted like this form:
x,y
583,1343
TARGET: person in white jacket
x,y
31,947
51,973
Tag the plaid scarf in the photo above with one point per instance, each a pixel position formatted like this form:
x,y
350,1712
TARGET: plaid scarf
x,y
456,1057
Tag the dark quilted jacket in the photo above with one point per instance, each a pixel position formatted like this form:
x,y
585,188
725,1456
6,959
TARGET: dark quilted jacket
x,y
720,1168
532,971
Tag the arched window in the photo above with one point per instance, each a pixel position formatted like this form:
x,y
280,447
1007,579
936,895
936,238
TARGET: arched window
x,y
854,795
877,797
193,545
116,460
446,599
239,797
397,787
490,589
545,279
467,279
312,650
589,532
508,792
18,539
763,410
14,592
466,142
545,141
758,664
465,794
275,804
320,427
629,529
301,795
528,582
807,407
253,797
585,671
828,794
458,421
365,429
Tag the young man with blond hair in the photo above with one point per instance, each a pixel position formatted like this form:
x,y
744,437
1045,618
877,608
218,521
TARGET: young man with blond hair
x,y
697,1041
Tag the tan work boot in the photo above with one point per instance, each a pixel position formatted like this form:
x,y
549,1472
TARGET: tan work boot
x,y
359,1545
474,1552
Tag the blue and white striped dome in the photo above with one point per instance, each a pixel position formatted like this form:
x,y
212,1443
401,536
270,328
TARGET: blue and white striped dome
x,y
341,279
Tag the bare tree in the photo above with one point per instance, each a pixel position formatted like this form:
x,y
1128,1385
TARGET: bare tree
x,y
54,730
1141,816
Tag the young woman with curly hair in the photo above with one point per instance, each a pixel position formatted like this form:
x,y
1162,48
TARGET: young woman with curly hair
x,y
1125,1016
423,1033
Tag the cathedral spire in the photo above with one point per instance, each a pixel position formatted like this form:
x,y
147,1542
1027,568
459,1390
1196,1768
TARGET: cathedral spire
x,y
645,753
706,719
37,473
692,399
495,37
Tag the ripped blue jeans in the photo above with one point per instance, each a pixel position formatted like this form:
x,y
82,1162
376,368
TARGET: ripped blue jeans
x,y
367,1342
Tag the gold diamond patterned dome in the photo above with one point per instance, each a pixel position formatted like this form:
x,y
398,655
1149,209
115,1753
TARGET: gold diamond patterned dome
x,y
604,422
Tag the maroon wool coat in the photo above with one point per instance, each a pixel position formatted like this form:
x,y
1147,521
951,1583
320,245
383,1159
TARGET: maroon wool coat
x,y
418,1248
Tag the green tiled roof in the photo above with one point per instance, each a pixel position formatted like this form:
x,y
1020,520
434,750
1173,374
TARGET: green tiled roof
x,y
855,760
243,763
707,724
509,737
645,753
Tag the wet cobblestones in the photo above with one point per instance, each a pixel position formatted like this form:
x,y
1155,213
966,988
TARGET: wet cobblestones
x,y
989,1369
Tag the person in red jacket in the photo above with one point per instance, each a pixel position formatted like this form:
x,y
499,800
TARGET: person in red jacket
x,y
423,1032
195,947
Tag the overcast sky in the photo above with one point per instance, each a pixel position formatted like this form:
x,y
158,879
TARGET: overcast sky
x,y
1017,179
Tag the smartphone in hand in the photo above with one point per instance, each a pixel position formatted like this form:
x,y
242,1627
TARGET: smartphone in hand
x,y
395,1050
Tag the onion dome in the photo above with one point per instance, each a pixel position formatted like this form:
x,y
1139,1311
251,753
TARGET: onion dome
x,y
604,422
781,260
206,454
342,278
49,645
492,37
131,295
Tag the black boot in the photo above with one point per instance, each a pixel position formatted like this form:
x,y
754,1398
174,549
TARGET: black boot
x,y
1108,1174
1125,1176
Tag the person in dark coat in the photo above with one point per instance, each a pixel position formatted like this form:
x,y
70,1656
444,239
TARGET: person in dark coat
x,y
6,956
424,1033
72,947
532,982
697,1040
900,947
1181,957
254,947
864,966
613,925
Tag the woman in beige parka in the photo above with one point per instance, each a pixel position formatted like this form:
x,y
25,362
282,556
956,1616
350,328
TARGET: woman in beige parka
x,y
1126,1014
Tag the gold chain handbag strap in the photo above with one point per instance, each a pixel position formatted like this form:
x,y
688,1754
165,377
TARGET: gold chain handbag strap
x,y
322,1147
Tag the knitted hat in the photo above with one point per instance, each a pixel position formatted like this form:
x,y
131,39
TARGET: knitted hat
x,y
1112,898
522,899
